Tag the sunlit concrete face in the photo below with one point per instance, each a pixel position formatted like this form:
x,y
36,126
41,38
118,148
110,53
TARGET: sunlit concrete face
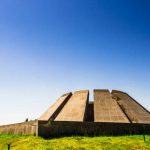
x,y
51,111
74,110
135,112
114,107
106,108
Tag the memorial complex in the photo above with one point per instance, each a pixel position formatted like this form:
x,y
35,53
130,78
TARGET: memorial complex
x,y
110,113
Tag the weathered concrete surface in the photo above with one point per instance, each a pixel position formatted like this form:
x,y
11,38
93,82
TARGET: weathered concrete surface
x,y
106,109
90,112
135,112
24,128
68,128
53,110
111,114
75,108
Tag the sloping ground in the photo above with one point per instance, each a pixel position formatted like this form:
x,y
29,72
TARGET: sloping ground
x,y
135,142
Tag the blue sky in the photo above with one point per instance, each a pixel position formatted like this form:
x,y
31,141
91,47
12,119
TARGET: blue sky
x,y
55,46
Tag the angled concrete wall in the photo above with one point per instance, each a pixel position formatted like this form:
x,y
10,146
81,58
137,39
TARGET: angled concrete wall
x,y
75,108
135,112
24,128
106,109
68,128
113,113
53,110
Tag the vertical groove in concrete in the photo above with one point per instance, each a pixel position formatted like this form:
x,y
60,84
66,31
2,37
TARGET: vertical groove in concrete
x,y
133,110
75,108
90,112
53,110
106,108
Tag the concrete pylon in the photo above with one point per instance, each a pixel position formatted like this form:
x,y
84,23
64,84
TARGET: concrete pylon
x,y
106,108
53,110
75,108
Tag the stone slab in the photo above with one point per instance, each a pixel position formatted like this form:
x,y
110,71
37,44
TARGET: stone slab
x,y
106,109
53,110
75,108
135,112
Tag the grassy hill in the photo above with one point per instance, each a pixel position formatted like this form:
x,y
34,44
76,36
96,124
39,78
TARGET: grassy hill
x,y
135,142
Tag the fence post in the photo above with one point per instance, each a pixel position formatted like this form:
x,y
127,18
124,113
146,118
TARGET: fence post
x,y
144,137
8,146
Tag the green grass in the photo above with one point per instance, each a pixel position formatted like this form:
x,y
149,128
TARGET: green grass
x,y
135,142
